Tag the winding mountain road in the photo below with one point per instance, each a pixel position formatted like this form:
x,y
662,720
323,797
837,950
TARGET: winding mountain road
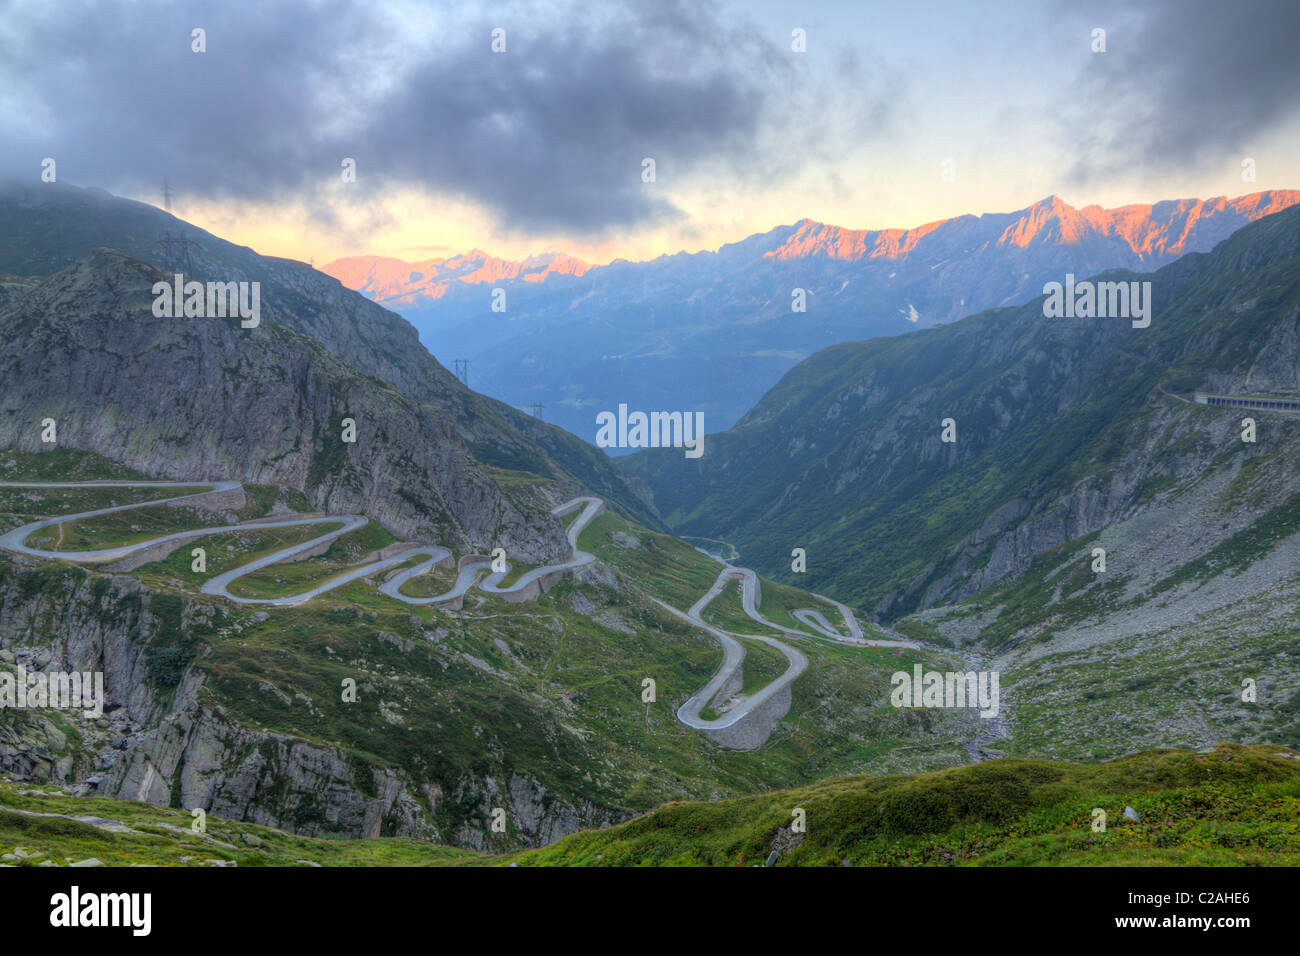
x,y
219,585
734,650
728,677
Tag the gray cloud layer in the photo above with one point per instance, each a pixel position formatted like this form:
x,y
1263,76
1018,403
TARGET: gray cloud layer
x,y
1188,85
549,135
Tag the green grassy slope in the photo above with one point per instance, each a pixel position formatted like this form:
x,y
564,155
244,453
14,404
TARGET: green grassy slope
x,y
1237,805
1048,412
549,689
162,836
1233,806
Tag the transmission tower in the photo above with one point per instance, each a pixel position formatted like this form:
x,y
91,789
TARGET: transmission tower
x,y
462,370
175,250
536,409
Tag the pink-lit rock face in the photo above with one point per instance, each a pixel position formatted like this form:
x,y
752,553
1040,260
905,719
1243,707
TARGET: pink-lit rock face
x,y
395,281
865,281
1160,229
835,242
1166,228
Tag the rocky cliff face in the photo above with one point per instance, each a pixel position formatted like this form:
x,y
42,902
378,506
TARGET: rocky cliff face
x,y
202,398
164,739
55,226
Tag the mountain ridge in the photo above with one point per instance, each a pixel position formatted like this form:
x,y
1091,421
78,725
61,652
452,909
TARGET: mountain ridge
x,y
53,226
382,275
1154,229
712,331
139,389
862,419
1122,554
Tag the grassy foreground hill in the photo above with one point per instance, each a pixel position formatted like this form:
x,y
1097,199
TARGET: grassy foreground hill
x,y
1231,806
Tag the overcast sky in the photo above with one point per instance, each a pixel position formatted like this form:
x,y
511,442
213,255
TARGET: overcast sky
x,y
542,146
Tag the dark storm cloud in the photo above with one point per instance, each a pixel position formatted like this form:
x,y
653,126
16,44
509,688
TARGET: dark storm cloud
x,y
550,134
1184,84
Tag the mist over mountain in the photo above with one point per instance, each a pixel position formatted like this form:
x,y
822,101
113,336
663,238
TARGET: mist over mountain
x,y
712,331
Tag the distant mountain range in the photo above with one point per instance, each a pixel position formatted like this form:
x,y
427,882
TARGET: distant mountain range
x,y
396,282
1064,428
712,331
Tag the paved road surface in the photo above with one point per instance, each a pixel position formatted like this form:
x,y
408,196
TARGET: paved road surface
x,y
471,567
220,584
